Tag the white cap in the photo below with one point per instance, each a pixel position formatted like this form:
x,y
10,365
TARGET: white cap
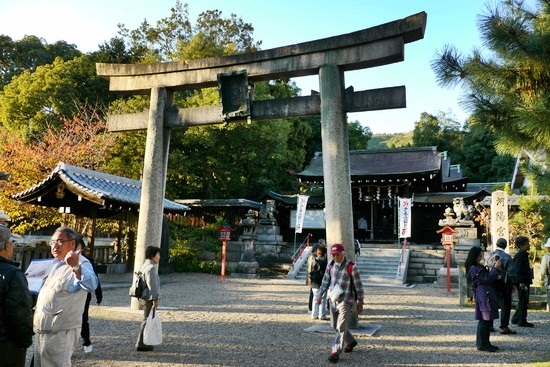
x,y
4,216
547,244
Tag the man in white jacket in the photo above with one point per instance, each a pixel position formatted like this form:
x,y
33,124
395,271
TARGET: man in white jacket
x,y
60,303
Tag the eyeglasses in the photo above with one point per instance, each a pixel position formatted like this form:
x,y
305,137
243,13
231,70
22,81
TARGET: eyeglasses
x,y
58,242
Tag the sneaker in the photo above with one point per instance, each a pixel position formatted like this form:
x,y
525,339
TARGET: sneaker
x,y
526,324
507,330
324,318
88,348
349,347
333,357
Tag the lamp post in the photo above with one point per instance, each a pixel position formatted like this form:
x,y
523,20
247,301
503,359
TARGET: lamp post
x,y
225,235
447,240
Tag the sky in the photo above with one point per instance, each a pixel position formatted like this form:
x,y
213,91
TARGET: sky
x,y
279,23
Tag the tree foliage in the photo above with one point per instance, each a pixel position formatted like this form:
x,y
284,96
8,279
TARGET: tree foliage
x,y
28,53
441,131
529,221
80,141
35,101
508,89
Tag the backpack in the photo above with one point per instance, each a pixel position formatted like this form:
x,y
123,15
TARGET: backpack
x,y
316,274
138,285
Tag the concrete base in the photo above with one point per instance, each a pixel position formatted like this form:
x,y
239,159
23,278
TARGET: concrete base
x,y
247,269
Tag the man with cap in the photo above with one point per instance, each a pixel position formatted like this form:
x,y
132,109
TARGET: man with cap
x,y
16,306
545,272
504,286
4,219
345,291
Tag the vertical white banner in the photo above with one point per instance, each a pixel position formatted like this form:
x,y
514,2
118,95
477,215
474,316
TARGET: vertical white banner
x,y
499,217
301,212
405,217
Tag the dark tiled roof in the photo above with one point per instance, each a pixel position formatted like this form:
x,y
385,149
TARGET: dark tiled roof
x,y
447,197
383,162
106,191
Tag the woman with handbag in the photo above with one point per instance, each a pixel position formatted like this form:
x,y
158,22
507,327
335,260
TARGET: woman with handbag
x,y
150,296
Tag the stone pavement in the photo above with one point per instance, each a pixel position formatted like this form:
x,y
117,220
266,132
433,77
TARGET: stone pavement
x,y
262,322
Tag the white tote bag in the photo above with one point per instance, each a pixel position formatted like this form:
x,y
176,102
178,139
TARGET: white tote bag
x,y
152,335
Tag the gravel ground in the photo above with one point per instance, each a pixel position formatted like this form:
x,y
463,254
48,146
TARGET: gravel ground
x,y
261,322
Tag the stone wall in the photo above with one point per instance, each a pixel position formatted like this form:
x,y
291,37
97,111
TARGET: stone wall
x,y
425,262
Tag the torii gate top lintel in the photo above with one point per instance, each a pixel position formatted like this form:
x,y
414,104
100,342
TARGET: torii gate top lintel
x,y
270,64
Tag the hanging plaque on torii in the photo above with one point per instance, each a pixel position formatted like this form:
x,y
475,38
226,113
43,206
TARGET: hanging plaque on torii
x,y
235,77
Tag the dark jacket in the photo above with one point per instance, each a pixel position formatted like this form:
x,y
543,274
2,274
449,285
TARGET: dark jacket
x,y
15,305
485,295
522,268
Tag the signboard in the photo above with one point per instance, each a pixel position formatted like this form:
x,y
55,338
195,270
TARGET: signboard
x,y
405,217
499,217
301,212
313,219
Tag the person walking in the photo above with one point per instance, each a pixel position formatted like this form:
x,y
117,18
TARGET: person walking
x,y
343,283
151,294
15,306
504,286
60,303
316,271
523,274
485,296
545,272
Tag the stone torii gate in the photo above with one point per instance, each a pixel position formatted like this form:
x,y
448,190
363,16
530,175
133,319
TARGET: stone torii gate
x,y
235,75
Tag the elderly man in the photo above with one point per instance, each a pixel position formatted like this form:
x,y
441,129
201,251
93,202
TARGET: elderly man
x,y
58,314
15,306
4,218
504,286
345,290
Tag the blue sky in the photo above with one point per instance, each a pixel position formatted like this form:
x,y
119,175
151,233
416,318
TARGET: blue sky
x,y
281,23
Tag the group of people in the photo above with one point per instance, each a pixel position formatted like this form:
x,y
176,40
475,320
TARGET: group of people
x,y
339,285
496,280
60,314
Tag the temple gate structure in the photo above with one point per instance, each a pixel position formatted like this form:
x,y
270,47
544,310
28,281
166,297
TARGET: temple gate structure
x,y
235,76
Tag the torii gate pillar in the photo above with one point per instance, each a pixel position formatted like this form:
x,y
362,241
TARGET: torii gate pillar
x,y
336,170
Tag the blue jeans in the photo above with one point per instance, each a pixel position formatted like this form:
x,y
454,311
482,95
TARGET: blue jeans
x,y
316,309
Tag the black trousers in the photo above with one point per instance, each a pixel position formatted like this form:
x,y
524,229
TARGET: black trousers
x,y
85,331
483,332
505,293
520,316
147,306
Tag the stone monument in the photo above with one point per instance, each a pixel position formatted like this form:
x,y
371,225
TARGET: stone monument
x,y
248,267
269,240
